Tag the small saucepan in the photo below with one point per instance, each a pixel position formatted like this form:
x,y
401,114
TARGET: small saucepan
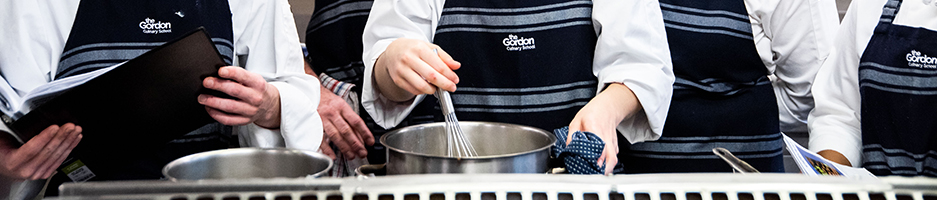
x,y
244,163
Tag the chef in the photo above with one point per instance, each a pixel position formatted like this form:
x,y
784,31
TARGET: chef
x,y
46,41
535,63
875,96
743,74
333,39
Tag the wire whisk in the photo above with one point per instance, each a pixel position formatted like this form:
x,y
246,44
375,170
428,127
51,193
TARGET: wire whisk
x,y
457,144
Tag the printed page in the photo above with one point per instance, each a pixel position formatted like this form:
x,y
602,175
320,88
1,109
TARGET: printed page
x,y
49,91
812,164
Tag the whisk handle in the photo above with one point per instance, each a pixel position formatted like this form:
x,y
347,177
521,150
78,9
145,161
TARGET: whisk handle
x,y
445,101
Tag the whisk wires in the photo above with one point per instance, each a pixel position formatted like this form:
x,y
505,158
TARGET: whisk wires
x,y
458,145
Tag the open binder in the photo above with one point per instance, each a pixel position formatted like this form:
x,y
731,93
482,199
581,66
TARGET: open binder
x,y
146,101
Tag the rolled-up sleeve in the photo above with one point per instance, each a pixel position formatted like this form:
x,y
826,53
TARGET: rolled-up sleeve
x,y
632,49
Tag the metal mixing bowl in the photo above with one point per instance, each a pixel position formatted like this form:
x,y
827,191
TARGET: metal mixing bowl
x,y
242,163
501,147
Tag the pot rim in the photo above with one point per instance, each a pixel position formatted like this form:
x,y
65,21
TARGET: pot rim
x,y
242,150
551,137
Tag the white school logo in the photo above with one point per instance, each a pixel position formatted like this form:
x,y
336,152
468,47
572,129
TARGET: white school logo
x,y
919,60
151,26
514,43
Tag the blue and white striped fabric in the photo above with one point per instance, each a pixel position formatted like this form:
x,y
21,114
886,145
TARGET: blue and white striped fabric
x,y
722,96
529,58
582,153
897,81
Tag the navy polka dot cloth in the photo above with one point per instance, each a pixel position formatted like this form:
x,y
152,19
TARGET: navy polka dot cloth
x,y
582,153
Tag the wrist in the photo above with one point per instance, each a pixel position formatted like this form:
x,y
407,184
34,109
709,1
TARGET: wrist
x,y
622,99
270,116
835,156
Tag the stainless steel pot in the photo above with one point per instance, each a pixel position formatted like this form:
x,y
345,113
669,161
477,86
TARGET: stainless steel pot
x,y
240,163
14,189
502,148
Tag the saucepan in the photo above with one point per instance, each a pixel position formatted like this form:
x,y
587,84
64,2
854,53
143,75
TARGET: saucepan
x,y
244,163
501,147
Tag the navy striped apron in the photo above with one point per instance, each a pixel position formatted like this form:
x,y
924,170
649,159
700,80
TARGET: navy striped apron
x,y
333,39
722,96
523,62
108,32
898,85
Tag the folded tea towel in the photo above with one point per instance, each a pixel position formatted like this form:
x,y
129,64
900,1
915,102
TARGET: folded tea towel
x,y
582,153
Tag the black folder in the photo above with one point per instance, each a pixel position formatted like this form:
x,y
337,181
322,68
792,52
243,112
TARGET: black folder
x,y
146,102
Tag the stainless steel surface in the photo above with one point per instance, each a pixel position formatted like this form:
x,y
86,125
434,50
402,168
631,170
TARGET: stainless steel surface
x,y
445,101
502,148
737,164
243,163
371,170
688,186
13,189
458,145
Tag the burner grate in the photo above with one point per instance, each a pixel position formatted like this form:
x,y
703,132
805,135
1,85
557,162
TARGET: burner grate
x,y
521,187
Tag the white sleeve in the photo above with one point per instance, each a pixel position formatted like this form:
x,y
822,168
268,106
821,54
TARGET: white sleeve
x,y
632,49
834,124
389,20
32,39
266,42
800,34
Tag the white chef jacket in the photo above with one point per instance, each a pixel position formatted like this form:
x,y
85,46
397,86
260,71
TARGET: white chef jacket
x,y
34,34
643,65
835,124
791,36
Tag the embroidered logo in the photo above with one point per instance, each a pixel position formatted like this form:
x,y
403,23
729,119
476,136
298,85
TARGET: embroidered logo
x,y
514,43
151,26
919,60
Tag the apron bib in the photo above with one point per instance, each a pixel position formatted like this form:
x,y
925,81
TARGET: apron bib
x,y
108,32
722,96
333,39
898,85
523,62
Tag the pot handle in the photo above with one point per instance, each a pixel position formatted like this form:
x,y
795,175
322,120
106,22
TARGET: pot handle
x,y
369,170
736,163
557,170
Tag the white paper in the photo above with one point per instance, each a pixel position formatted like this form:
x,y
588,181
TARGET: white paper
x,y
812,164
46,92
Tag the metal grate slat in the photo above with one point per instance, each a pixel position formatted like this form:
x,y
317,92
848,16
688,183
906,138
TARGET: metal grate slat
x,y
522,187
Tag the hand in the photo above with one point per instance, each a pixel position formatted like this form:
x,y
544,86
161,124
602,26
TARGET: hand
x,y
835,156
409,67
343,126
326,149
40,156
257,101
602,115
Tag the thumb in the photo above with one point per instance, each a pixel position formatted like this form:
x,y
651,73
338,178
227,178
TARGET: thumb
x,y
574,126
